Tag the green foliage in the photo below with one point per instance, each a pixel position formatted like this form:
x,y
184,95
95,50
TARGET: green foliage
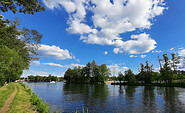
x,y
90,73
18,48
23,6
11,64
43,78
129,76
175,60
120,76
146,73
166,71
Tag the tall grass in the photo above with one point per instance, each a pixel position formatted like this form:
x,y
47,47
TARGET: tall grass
x,y
83,111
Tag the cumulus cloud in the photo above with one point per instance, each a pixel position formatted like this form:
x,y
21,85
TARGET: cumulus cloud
x,y
143,56
105,52
54,52
102,21
139,44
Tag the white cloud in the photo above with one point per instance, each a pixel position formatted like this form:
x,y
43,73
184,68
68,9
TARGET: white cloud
x,y
117,68
73,65
78,60
180,48
131,56
105,52
33,72
35,63
54,52
109,20
157,51
171,49
125,68
182,53
143,56
142,44
53,64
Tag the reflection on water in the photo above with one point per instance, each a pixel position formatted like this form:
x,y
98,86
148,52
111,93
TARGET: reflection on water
x,y
110,98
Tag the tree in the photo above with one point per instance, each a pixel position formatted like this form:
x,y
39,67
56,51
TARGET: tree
x,y
18,48
165,71
22,6
175,60
129,76
11,64
67,75
146,73
20,45
104,72
120,77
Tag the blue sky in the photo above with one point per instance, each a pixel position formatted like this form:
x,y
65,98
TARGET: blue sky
x,y
120,33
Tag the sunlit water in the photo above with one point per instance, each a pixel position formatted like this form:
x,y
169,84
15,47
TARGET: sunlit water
x,y
107,98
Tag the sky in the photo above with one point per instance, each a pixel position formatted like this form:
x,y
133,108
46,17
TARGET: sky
x,y
119,33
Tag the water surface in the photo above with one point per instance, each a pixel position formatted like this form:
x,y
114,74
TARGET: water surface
x,y
108,98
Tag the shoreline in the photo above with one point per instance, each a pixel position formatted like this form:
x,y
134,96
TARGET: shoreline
x,y
152,84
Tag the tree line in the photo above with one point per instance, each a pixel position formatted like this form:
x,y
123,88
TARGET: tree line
x,y
38,78
90,73
169,71
17,46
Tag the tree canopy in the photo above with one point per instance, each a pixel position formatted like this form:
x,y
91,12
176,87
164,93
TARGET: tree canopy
x,y
22,6
18,49
17,46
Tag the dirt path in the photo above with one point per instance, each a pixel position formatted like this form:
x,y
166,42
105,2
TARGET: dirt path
x,y
8,102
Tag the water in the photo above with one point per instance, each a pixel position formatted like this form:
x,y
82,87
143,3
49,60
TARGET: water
x,y
108,98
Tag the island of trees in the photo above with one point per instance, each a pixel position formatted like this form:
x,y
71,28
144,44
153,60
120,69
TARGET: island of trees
x,y
90,73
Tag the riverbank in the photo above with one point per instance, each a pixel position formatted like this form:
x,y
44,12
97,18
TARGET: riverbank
x,y
24,101
152,84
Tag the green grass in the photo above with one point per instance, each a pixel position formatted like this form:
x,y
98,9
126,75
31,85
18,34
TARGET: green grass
x,y
5,93
26,101
21,102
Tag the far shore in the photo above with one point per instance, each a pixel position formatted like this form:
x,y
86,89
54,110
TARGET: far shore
x,y
151,84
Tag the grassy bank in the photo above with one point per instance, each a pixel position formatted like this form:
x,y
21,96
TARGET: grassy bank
x,y
26,101
5,93
152,84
